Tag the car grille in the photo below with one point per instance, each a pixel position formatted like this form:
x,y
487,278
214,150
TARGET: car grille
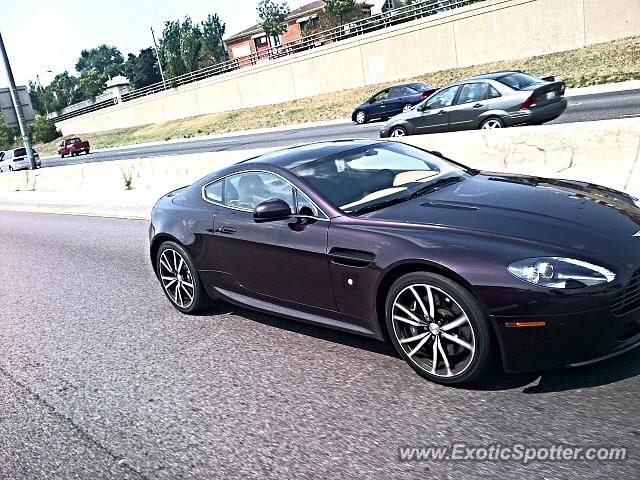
x,y
629,299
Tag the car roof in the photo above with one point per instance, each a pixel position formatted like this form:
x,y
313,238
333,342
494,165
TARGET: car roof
x,y
490,75
296,156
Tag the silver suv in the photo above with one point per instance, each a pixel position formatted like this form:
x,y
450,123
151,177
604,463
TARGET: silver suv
x,y
16,159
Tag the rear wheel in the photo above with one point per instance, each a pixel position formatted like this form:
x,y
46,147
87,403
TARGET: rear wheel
x,y
62,155
361,117
438,328
398,132
491,123
86,150
179,279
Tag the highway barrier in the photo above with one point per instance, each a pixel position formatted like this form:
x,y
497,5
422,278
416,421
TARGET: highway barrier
x,y
604,152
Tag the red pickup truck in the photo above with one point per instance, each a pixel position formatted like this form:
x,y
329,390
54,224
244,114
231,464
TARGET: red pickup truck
x,y
73,146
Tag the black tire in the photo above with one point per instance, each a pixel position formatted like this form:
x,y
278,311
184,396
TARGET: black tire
x,y
491,120
62,155
86,150
361,117
199,300
451,302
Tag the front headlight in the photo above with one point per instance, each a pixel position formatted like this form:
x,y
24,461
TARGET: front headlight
x,y
560,272
636,201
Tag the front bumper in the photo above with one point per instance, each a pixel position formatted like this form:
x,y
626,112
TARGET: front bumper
x,y
565,340
384,132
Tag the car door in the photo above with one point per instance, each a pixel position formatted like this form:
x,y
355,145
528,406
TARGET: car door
x,y
284,259
433,115
395,101
473,100
377,104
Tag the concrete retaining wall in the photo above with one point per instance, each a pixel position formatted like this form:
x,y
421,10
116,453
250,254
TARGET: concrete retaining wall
x,y
484,32
604,152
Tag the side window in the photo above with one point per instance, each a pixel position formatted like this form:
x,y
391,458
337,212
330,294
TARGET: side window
x,y
444,98
304,206
381,96
213,192
247,190
396,92
8,155
493,93
473,92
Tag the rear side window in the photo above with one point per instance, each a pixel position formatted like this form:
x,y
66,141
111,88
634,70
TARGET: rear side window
x,y
476,92
20,152
396,92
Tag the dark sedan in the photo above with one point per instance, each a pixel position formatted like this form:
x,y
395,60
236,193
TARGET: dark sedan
x,y
456,266
391,101
494,100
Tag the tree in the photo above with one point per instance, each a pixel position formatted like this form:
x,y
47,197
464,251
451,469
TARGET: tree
x,y
43,130
213,49
340,8
8,136
105,59
169,49
92,82
190,44
63,87
272,17
144,69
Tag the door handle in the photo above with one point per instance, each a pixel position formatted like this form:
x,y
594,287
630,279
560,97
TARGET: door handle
x,y
226,230
477,105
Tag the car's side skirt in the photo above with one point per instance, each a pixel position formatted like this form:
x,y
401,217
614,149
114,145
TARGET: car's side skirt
x,y
293,314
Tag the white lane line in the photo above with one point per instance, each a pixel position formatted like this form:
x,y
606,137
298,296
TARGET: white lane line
x,y
631,115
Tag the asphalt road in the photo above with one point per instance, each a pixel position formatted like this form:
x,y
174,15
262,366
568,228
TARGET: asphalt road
x,y
607,106
101,378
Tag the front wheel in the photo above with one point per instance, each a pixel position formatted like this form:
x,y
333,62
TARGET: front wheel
x,y
398,132
86,150
491,123
179,278
62,155
406,107
439,328
361,117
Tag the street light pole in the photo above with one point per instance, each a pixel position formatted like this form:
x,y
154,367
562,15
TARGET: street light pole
x,y
155,48
24,128
38,77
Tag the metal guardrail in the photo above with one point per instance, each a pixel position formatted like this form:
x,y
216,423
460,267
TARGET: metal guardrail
x,y
380,21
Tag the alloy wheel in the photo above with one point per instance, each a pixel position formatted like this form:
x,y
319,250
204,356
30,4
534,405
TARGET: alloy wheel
x,y
433,330
361,117
176,277
491,124
407,107
398,132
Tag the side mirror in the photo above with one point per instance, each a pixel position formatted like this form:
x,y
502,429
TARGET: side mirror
x,y
270,210
550,78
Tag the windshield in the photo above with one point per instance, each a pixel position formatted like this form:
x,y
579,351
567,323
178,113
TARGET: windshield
x,y
518,81
369,177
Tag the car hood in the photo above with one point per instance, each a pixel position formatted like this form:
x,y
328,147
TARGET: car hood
x,y
565,213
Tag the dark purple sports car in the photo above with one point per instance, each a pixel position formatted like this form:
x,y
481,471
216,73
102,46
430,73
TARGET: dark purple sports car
x,y
457,267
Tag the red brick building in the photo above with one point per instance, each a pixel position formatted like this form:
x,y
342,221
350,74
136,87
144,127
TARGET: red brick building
x,y
305,19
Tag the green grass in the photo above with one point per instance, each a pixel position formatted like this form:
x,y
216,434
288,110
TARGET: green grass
x,y
604,63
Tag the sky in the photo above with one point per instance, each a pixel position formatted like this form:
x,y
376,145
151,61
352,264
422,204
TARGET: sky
x,y
49,34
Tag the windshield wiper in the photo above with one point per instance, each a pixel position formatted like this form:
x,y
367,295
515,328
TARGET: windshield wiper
x,y
379,205
437,185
